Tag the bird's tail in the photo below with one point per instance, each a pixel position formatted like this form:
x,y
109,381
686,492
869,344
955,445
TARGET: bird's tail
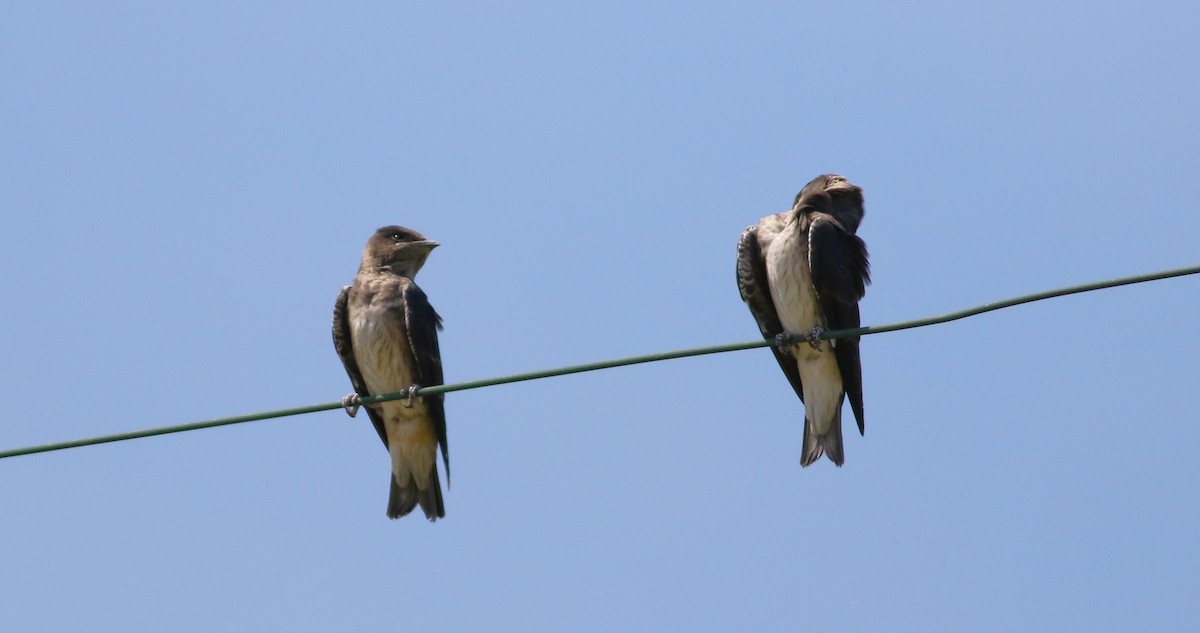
x,y
829,444
403,499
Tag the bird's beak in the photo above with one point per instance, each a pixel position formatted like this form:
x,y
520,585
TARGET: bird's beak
x,y
424,244
843,185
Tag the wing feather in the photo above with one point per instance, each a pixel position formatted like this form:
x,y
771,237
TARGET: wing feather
x,y
422,323
756,291
840,274
345,350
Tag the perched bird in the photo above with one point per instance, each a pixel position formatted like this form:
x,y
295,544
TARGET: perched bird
x,y
385,332
801,272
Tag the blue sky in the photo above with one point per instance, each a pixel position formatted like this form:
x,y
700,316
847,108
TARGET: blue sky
x,y
186,187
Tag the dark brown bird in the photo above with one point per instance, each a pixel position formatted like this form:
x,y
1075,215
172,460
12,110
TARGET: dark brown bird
x,y
385,332
800,272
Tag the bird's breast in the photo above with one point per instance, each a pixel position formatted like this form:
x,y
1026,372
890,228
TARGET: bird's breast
x,y
381,348
790,280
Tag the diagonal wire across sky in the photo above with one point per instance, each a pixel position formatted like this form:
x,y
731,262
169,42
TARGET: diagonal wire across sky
x,y
608,364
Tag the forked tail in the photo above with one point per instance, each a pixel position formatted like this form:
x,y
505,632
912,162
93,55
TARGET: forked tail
x,y
402,499
829,444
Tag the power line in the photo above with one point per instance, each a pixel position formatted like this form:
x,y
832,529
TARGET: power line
x,y
608,364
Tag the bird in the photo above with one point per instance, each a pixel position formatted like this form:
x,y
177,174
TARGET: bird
x,y
385,332
801,272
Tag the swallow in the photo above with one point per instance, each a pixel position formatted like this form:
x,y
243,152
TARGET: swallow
x,y
801,272
385,332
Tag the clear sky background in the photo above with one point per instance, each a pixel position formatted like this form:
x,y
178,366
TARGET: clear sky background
x,y
184,188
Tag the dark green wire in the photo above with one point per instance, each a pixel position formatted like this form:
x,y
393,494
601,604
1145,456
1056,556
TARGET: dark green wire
x,y
620,362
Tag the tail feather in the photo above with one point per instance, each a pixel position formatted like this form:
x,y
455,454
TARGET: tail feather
x,y
431,497
402,499
829,444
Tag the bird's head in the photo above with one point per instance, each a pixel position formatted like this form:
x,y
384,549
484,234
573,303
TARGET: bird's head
x,y
398,250
833,194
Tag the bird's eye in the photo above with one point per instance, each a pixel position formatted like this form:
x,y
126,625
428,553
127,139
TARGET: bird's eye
x,y
398,237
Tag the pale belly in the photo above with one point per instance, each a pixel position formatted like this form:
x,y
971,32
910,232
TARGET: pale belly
x,y
380,343
798,310
791,285
380,347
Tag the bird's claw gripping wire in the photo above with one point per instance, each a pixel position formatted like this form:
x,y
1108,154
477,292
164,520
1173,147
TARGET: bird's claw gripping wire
x,y
814,337
351,404
412,393
782,344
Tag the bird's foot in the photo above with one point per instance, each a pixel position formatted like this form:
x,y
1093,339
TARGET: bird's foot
x,y
351,404
814,337
412,393
782,344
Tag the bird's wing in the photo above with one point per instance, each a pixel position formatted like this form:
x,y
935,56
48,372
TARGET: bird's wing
x,y
840,272
756,291
422,323
345,350
848,210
